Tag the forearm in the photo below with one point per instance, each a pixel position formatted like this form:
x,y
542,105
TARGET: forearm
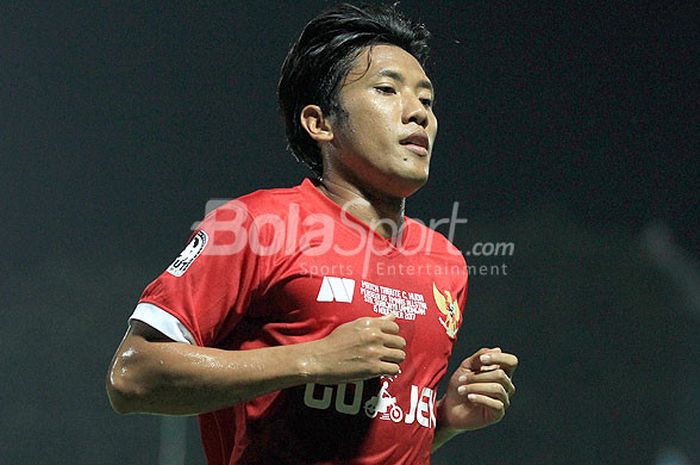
x,y
180,379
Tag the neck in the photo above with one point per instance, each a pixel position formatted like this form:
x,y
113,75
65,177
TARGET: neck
x,y
384,214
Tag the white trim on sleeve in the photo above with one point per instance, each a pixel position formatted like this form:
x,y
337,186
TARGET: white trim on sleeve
x,y
163,322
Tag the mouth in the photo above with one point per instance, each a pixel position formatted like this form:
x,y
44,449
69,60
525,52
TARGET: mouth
x,y
417,142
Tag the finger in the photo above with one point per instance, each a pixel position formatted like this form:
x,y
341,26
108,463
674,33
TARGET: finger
x,y
497,376
473,362
493,390
394,342
389,369
393,355
508,362
388,325
495,405
489,368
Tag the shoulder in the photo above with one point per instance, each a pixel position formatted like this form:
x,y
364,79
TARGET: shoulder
x,y
256,222
266,201
259,203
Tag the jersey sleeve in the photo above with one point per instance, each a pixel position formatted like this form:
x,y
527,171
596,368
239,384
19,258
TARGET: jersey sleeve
x,y
215,279
163,322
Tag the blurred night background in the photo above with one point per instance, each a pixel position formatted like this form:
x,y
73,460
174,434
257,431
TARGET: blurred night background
x,y
567,128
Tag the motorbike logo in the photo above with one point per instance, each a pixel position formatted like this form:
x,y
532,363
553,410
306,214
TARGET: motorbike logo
x,y
385,404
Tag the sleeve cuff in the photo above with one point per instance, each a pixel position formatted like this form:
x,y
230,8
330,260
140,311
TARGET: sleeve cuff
x,y
162,321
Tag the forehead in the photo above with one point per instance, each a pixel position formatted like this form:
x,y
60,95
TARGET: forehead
x,y
375,59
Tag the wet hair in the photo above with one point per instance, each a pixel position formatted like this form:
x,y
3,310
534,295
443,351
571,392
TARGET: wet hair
x,y
324,54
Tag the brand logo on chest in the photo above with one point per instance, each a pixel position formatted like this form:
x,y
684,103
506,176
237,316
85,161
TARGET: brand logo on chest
x,y
334,289
346,398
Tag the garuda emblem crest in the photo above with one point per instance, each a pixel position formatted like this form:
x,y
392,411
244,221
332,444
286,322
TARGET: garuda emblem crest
x,y
448,307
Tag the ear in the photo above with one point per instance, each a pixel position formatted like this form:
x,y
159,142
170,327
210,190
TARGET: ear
x,y
317,125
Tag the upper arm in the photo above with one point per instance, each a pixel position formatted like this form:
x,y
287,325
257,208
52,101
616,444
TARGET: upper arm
x,y
135,344
139,329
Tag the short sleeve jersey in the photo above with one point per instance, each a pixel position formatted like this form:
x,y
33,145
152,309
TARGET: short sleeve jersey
x,y
285,266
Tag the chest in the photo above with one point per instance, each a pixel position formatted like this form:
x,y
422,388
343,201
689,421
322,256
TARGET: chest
x,y
311,296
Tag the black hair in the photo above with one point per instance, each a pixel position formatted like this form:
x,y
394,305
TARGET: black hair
x,y
325,52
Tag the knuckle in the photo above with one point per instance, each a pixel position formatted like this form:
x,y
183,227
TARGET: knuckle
x,y
370,350
369,336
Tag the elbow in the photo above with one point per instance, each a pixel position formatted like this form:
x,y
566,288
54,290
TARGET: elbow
x,y
122,399
126,388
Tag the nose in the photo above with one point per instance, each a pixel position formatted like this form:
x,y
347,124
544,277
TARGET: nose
x,y
415,111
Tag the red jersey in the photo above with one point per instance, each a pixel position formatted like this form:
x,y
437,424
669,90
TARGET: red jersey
x,y
286,266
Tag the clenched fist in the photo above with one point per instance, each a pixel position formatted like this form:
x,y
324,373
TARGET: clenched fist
x,y
360,349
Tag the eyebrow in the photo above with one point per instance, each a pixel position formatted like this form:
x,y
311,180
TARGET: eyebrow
x,y
390,73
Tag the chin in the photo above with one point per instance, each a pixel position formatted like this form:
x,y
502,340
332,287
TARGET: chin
x,y
407,184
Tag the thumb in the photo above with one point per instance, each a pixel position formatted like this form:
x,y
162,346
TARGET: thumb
x,y
472,362
389,317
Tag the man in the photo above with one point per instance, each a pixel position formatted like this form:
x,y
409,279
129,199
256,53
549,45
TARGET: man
x,y
312,325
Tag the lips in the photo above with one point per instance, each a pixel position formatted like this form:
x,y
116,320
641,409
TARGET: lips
x,y
418,141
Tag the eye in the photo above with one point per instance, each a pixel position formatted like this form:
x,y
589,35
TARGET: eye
x,y
385,89
427,102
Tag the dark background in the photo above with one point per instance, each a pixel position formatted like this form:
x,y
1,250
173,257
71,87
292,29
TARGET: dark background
x,y
567,128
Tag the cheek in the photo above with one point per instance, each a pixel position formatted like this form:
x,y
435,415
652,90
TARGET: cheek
x,y
371,124
385,123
